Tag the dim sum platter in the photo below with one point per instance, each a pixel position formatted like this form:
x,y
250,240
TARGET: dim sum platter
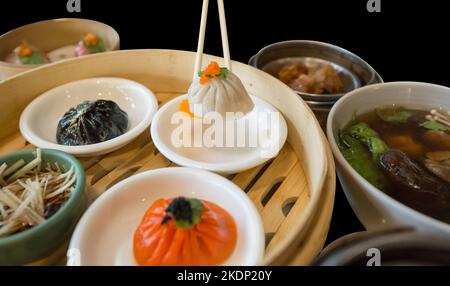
x,y
293,192
39,120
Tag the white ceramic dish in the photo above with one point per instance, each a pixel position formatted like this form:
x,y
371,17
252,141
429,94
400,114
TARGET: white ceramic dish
x,y
39,120
375,209
104,234
220,159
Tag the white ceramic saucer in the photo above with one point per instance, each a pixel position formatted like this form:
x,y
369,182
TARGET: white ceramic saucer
x,y
216,158
104,235
39,120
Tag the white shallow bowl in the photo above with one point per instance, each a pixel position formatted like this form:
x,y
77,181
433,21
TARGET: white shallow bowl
x,y
375,209
39,120
105,233
223,160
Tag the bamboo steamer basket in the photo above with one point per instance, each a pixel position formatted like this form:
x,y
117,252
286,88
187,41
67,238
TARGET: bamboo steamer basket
x,y
294,192
49,35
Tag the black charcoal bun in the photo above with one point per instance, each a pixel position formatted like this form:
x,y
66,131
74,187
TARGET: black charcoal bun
x,y
91,122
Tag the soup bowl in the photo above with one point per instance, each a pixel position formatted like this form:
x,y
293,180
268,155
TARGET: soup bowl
x,y
375,209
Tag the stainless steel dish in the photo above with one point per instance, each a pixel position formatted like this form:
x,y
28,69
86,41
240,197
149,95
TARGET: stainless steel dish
x,y
349,79
354,72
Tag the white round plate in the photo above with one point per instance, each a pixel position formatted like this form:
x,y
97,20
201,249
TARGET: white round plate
x,y
219,159
39,120
105,233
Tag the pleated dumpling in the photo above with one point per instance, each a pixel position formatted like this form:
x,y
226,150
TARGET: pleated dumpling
x,y
184,232
218,89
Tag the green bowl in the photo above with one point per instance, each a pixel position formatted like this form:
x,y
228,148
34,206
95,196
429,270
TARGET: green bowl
x,y
42,240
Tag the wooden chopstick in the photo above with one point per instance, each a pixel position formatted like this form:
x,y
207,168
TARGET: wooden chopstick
x,y
201,39
224,34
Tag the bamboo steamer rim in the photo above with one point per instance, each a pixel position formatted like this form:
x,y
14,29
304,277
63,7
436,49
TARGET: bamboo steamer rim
x,y
282,251
115,44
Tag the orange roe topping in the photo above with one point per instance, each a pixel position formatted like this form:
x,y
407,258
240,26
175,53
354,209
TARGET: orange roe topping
x,y
90,39
213,70
25,51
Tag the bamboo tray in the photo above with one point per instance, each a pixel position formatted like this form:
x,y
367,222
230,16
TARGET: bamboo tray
x,y
294,192
49,35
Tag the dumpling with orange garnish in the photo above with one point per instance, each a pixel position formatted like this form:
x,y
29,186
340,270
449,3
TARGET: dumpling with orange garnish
x,y
90,44
218,89
184,232
26,54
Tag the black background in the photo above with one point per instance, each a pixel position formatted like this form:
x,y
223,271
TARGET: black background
x,y
406,41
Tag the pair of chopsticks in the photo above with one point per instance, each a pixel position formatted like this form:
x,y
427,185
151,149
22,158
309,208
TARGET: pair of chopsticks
x,y
201,36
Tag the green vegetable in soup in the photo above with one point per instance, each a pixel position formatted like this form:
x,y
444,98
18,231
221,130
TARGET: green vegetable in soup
x,y
360,158
434,125
394,115
405,153
369,137
377,147
362,131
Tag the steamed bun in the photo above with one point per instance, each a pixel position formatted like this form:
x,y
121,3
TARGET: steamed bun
x,y
218,89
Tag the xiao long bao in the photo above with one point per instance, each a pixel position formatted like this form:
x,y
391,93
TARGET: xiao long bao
x,y
218,89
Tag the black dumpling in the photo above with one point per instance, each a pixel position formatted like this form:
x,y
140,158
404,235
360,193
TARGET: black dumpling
x,y
91,122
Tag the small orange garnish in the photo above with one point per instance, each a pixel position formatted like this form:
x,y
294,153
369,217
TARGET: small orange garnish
x,y
90,39
25,51
184,107
213,70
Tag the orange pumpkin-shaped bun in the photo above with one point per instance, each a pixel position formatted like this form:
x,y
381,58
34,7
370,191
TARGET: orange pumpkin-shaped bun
x,y
184,232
